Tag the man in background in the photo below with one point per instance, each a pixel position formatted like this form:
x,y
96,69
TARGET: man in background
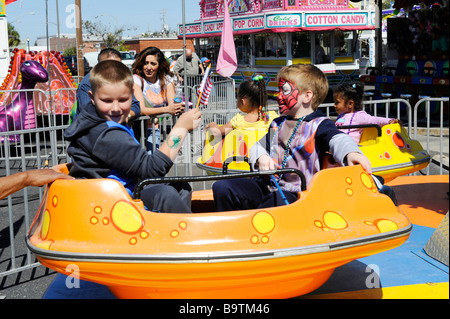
x,y
194,65
85,86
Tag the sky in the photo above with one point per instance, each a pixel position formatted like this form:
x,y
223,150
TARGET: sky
x,y
139,16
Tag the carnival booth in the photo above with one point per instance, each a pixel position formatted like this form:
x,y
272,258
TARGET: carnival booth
x,y
271,34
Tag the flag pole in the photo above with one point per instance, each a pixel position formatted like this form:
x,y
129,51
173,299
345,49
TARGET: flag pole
x,y
199,98
186,105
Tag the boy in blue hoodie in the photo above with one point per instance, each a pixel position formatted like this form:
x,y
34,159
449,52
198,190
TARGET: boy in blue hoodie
x,y
103,146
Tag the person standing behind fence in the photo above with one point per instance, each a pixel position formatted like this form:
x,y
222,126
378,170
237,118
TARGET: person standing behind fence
x,y
173,62
251,100
155,90
194,65
348,99
85,86
205,62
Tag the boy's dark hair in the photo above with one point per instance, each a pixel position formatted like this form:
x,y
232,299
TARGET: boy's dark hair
x,y
108,52
110,72
307,77
351,91
255,92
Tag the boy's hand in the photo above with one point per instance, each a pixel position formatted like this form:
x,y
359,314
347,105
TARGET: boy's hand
x,y
265,163
355,158
190,119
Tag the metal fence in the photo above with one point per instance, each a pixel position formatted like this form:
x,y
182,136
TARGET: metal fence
x,y
23,148
44,146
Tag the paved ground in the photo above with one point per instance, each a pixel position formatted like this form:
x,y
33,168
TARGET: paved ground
x,y
32,283
434,147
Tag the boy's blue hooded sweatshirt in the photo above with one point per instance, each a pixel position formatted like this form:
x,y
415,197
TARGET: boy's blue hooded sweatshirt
x,y
104,149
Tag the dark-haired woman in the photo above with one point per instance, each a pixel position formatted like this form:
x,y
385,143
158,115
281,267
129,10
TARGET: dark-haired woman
x,y
154,88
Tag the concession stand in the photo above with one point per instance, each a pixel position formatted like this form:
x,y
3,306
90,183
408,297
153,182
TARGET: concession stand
x,y
270,34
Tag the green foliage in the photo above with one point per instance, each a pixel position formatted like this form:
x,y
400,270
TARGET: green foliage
x,y
386,4
112,37
13,36
70,51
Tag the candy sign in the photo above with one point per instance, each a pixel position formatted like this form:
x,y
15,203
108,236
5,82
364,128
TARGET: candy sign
x,y
213,27
337,19
327,3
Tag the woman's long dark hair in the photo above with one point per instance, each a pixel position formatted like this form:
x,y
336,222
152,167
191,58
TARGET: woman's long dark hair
x,y
163,69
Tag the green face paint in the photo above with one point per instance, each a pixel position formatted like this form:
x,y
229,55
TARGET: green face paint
x,y
173,141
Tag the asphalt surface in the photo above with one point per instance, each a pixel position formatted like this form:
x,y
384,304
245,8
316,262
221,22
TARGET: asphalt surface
x,y
30,283
33,283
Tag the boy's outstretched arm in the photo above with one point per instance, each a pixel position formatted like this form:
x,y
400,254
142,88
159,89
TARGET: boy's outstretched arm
x,y
354,158
185,123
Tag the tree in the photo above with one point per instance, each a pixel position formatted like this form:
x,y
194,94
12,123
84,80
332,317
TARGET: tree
x,y
13,36
112,39
70,51
386,4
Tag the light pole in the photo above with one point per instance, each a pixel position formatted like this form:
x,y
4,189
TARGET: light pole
x,y
378,36
183,10
32,13
57,25
79,38
16,22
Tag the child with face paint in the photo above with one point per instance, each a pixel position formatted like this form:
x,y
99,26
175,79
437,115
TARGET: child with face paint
x,y
348,99
252,101
299,139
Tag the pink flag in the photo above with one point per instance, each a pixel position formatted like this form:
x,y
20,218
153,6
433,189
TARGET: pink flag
x,y
227,60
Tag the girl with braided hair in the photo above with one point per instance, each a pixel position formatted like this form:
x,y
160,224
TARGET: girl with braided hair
x,y
251,100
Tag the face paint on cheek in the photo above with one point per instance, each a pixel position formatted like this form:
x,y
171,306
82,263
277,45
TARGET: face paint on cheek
x,y
288,96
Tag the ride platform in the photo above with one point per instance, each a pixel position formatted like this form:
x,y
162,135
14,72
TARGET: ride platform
x,y
405,272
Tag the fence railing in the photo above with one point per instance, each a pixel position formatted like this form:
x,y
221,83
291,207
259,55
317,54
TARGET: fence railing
x,y
427,101
43,146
